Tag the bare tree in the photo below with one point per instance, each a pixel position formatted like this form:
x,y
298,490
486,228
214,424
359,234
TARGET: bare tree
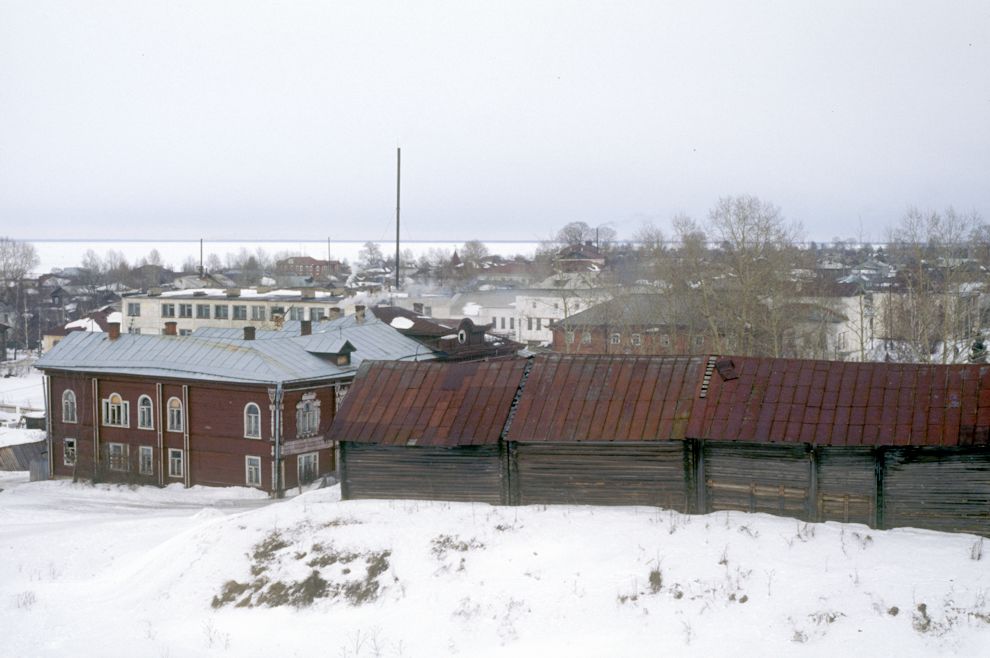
x,y
17,259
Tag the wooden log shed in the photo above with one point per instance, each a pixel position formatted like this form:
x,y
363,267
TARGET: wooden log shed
x,y
887,445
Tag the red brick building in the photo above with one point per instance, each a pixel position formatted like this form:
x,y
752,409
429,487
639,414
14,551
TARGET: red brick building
x,y
210,410
634,325
308,266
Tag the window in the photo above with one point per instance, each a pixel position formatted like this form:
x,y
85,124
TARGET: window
x,y
174,415
69,452
133,309
556,306
308,467
296,313
240,312
252,421
145,415
569,337
586,338
512,323
202,311
258,313
134,330
278,310
699,341
116,411
252,471
220,312
117,456
168,310
539,324
145,461
529,324
665,340
637,340
340,392
174,463
185,332
69,407
185,310
494,322
503,323
616,339
316,314
308,415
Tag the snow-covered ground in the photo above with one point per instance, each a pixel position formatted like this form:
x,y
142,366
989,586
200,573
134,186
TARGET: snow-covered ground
x,y
113,571
24,387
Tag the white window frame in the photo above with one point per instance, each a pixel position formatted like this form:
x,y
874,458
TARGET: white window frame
x,y
133,309
586,338
176,457
202,311
168,310
116,414
221,312
665,340
185,310
252,430
146,423
615,339
637,340
252,471
69,407
146,460
176,419
258,312
118,457
69,447
313,457
569,337
308,415
239,312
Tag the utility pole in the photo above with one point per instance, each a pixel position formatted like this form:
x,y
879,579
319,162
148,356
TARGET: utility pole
x,y
398,191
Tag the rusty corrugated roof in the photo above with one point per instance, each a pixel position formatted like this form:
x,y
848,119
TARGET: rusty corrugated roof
x,y
429,404
847,404
607,398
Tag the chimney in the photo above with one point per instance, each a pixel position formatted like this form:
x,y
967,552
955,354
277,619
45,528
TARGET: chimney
x,y
308,293
359,312
305,327
233,292
114,330
170,329
334,313
248,333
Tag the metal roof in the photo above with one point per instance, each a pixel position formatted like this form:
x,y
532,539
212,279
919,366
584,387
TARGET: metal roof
x,y
567,398
228,357
836,403
429,404
606,398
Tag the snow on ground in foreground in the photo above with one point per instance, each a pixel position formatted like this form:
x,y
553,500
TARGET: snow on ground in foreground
x,y
113,571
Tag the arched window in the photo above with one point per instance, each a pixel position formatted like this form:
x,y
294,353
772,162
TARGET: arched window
x,y
145,414
308,415
174,415
116,411
252,421
69,407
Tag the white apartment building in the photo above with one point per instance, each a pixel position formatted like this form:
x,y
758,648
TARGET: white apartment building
x,y
147,313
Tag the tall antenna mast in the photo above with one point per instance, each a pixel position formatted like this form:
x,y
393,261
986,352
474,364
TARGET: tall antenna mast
x,y
201,272
398,190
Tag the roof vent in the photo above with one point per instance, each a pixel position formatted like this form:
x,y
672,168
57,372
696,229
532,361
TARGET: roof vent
x,y
233,292
727,369
199,293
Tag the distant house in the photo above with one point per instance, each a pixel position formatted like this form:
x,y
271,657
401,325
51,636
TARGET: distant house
x,y
452,340
640,324
98,320
307,266
580,258
885,444
238,407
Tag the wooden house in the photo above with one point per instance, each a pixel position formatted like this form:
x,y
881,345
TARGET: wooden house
x,y
882,444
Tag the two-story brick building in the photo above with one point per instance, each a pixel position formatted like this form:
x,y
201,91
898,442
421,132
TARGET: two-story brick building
x,y
235,408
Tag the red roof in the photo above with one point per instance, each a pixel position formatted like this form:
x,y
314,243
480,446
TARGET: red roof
x,y
606,398
569,398
846,404
428,404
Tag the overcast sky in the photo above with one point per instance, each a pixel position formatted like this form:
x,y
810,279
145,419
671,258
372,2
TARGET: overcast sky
x,y
270,120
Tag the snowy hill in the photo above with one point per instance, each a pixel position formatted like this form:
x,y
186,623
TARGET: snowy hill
x,y
113,571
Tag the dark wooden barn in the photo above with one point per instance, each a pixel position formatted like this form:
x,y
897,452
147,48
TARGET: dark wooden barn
x,y
887,445
430,431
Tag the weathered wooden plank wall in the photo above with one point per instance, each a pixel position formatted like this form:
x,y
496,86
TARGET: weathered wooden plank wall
x,y
601,474
758,478
19,457
472,473
937,489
